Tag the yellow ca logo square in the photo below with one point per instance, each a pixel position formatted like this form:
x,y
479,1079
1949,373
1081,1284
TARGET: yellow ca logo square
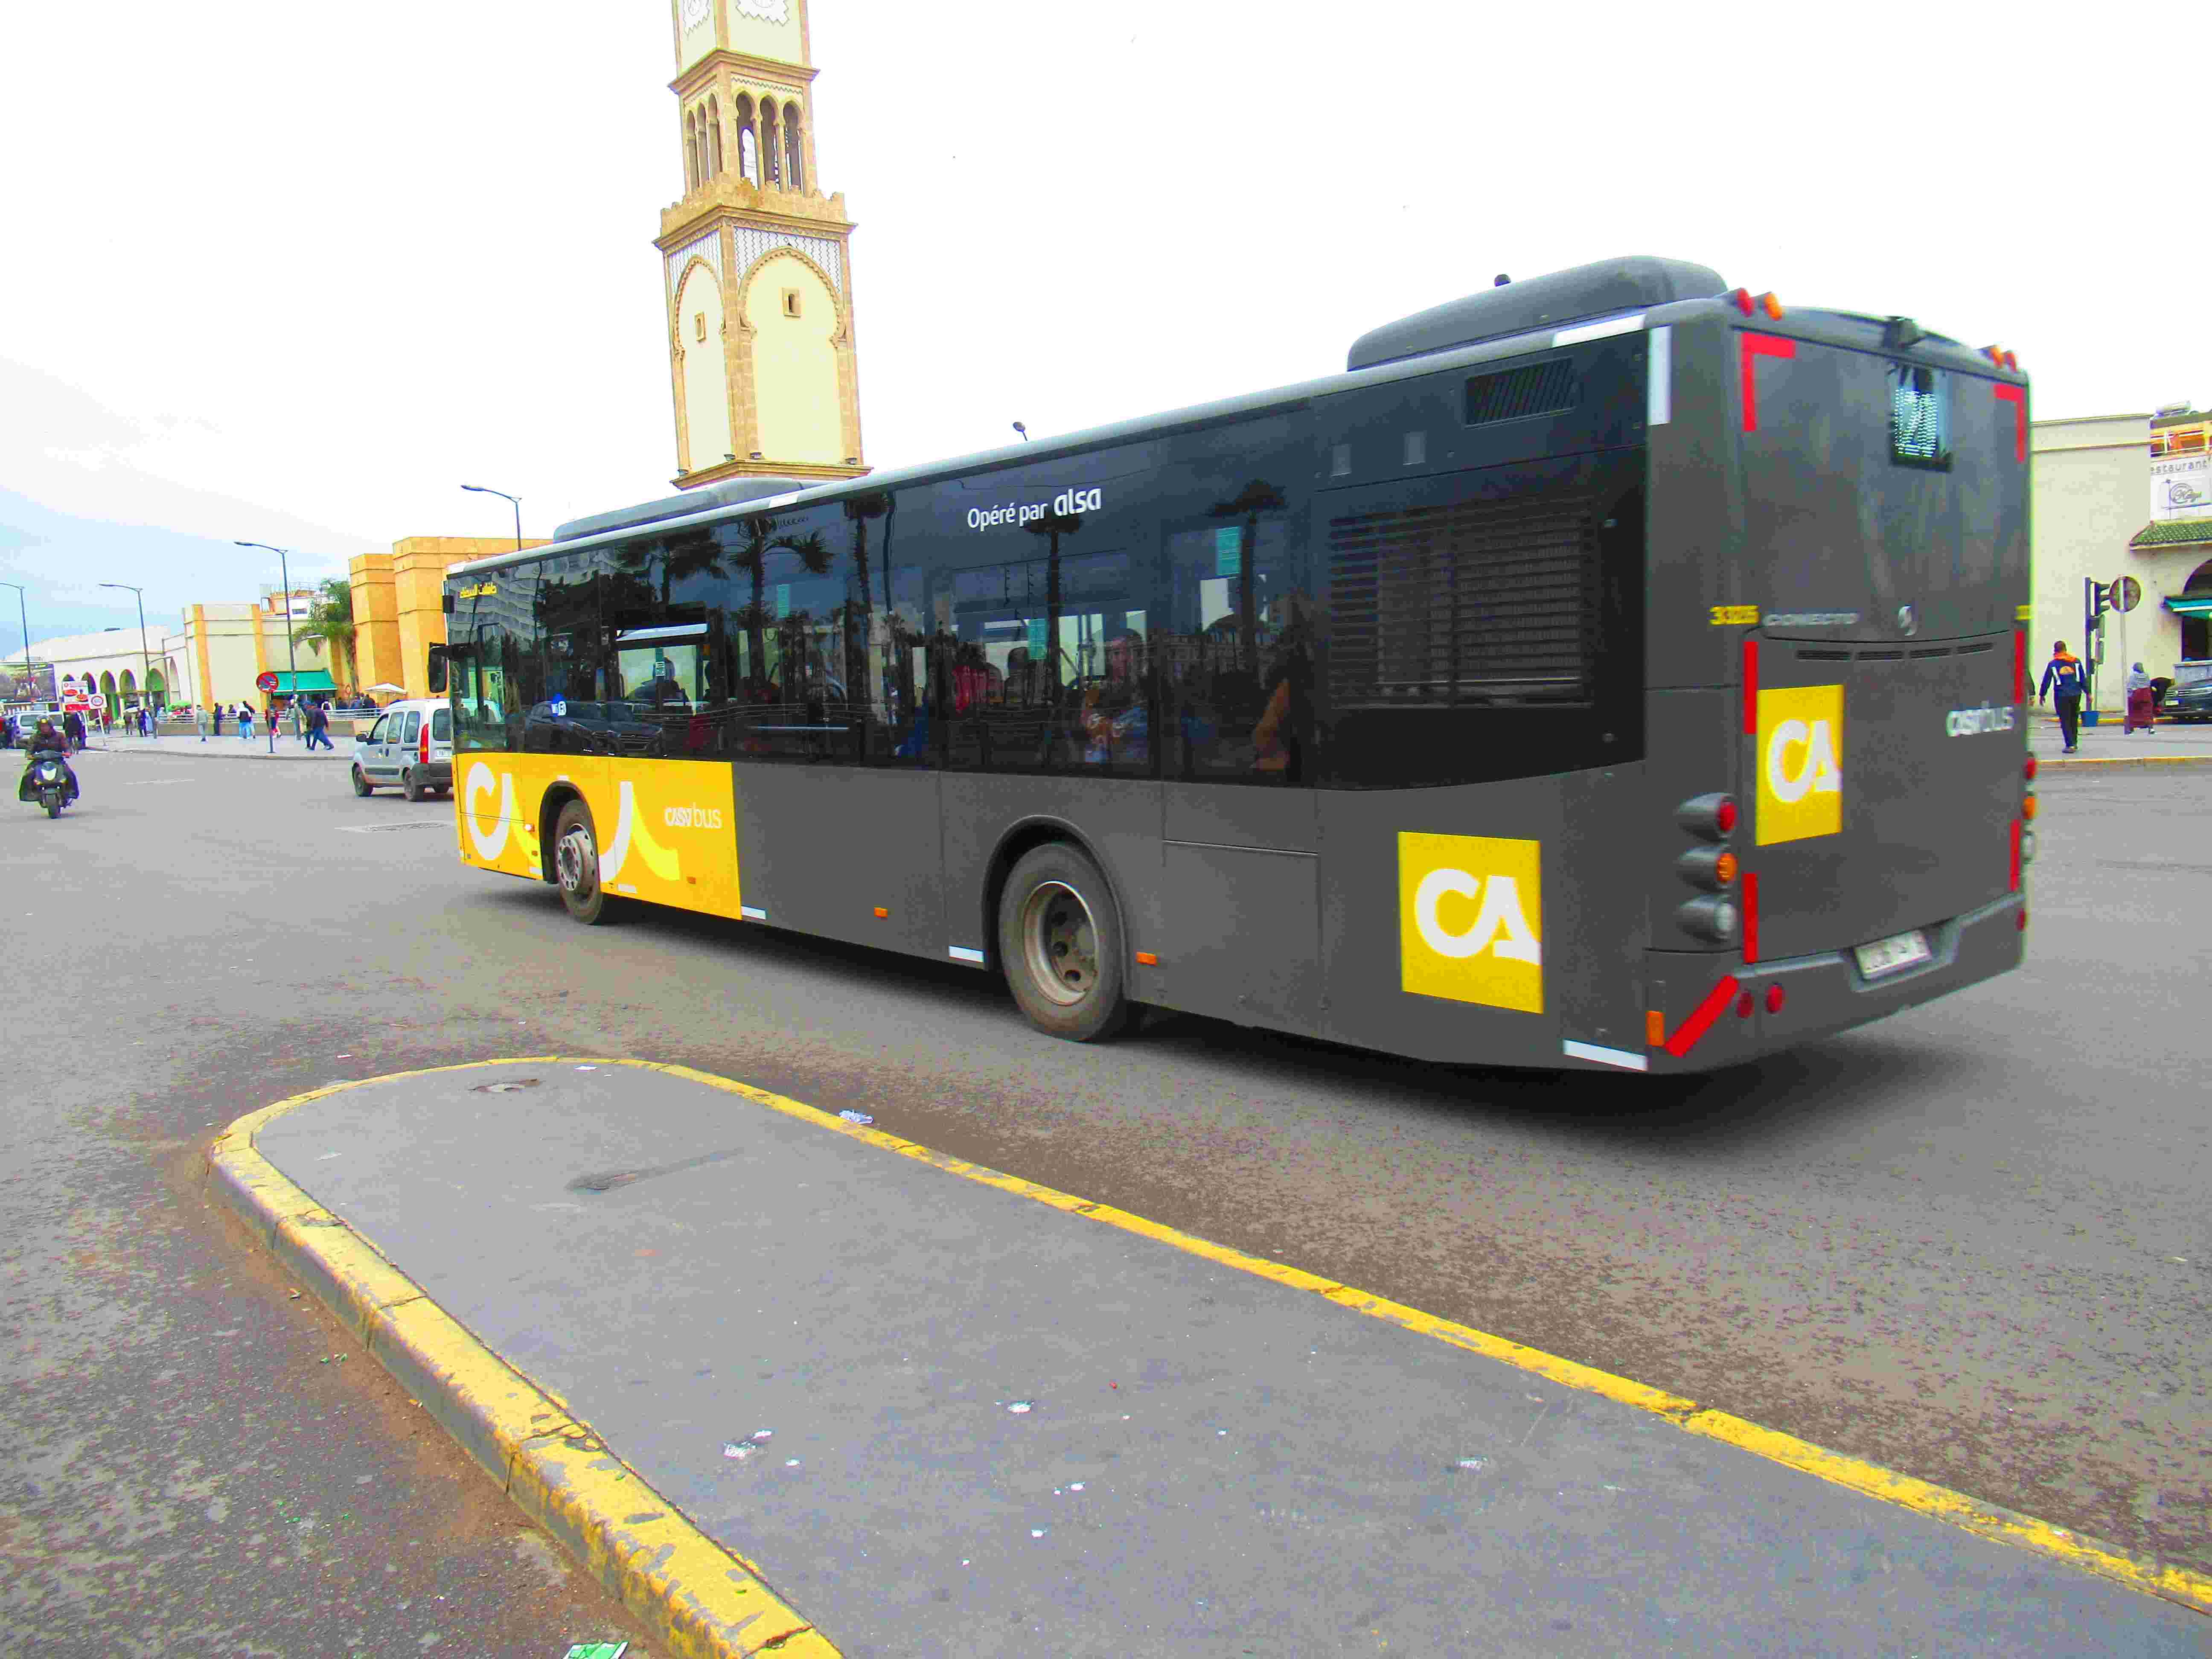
x,y
1801,764
1470,919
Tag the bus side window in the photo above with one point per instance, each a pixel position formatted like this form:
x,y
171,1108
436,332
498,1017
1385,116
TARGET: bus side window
x,y
1239,668
1047,661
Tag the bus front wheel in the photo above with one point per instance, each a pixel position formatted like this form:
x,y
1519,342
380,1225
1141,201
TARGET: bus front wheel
x,y
1059,938
576,865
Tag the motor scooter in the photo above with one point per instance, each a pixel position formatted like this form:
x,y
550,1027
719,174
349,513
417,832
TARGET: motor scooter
x,y
47,782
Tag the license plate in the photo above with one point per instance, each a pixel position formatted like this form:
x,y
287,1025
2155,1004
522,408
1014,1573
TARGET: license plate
x,y
1886,955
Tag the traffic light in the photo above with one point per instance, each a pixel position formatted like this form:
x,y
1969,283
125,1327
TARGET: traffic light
x,y
2100,598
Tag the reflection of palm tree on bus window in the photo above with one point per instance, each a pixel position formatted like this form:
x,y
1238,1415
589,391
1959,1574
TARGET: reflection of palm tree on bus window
x,y
761,536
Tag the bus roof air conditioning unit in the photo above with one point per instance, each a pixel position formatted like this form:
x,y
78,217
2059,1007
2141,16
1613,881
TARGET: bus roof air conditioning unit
x,y
1554,300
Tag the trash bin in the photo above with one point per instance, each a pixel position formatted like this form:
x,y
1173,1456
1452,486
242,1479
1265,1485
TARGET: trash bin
x,y
2089,717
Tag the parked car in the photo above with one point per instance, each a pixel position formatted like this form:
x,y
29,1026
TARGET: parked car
x,y
409,748
2188,703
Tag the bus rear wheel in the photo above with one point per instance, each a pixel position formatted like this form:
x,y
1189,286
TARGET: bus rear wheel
x,y
576,865
1059,939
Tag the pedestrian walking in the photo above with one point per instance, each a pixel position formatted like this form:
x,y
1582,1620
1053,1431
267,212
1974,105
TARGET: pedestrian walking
x,y
200,721
319,725
2142,702
246,722
2062,684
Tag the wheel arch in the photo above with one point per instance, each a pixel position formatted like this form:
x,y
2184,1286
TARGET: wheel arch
x,y
557,795
1019,841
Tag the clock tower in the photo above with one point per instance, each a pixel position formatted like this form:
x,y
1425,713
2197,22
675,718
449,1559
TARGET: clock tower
x,y
756,260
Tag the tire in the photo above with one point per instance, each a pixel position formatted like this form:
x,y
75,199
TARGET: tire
x,y
361,785
408,786
576,867
1059,942
53,802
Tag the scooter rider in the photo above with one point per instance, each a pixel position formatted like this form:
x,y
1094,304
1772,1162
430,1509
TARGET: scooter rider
x,y
49,740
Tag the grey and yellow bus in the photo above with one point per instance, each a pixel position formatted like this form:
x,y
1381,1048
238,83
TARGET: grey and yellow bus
x,y
1610,670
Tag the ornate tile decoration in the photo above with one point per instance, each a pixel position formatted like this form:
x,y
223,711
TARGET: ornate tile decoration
x,y
708,247
754,246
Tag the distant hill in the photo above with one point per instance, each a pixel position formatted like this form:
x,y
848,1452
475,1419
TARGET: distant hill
x,y
61,558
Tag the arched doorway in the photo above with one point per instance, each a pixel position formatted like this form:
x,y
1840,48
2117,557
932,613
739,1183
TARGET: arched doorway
x,y
2196,631
157,688
107,693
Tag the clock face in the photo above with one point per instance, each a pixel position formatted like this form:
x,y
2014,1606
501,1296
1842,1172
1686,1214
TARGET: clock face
x,y
768,11
694,13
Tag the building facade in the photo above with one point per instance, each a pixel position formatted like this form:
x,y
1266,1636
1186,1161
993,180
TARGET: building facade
x,y
756,262
2094,480
214,656
398,607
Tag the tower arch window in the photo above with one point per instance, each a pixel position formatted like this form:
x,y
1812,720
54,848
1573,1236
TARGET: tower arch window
x,y
794,169
714,136
748,146
690,151
771,150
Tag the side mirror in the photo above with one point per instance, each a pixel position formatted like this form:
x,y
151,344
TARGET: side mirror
x,y
437,671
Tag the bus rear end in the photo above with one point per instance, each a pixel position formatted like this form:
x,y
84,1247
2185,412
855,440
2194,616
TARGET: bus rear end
x,y
1850,541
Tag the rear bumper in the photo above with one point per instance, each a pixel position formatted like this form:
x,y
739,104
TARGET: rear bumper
x,y
1714,1011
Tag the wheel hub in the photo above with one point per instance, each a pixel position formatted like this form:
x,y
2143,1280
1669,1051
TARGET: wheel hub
x,y
1059,943
577,861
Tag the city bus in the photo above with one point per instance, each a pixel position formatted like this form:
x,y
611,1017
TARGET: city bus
x,y
1609,671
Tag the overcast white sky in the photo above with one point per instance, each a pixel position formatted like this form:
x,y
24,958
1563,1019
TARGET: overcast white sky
x,y
293,273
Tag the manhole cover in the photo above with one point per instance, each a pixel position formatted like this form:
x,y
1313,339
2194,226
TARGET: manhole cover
x,y
510,1086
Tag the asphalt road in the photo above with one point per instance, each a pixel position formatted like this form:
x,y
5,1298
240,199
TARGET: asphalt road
x,y
1970,1242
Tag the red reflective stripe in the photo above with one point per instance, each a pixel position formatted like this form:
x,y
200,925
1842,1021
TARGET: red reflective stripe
x,y
2016,855
1750,907
2020,664
1751,687
1756,346
1701,1019
2014,395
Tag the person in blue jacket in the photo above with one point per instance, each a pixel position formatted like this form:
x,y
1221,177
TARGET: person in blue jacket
x,y
2064,685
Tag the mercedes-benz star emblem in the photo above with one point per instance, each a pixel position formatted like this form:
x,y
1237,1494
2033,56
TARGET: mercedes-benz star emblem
x,y
1907,619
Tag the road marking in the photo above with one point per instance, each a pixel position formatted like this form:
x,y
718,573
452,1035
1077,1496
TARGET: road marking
x,y
1972,1514
702,1598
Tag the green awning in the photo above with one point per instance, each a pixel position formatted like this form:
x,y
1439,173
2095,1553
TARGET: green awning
x,y
2200,606
311,679
2172,532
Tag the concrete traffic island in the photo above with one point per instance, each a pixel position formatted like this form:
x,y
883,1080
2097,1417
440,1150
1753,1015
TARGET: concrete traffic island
x,y
788,1383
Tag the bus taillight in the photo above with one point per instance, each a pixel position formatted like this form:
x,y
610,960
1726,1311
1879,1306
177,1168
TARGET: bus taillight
x,y
2019,670
1742,300
1711,817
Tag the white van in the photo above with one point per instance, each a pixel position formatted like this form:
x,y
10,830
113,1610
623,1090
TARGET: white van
x,y
410,748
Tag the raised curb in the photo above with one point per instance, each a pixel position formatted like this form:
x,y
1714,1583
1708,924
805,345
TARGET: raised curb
x,y
698,1599
703,1600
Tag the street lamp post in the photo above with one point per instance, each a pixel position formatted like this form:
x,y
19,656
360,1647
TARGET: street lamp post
x,y
145,658
291,645
517,500
24,617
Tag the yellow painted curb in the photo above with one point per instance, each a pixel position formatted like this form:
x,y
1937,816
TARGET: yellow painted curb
x,y
543,1458
700,1599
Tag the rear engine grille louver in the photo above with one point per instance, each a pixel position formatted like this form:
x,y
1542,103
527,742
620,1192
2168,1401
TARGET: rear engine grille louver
x,y
1471,602
1532,389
